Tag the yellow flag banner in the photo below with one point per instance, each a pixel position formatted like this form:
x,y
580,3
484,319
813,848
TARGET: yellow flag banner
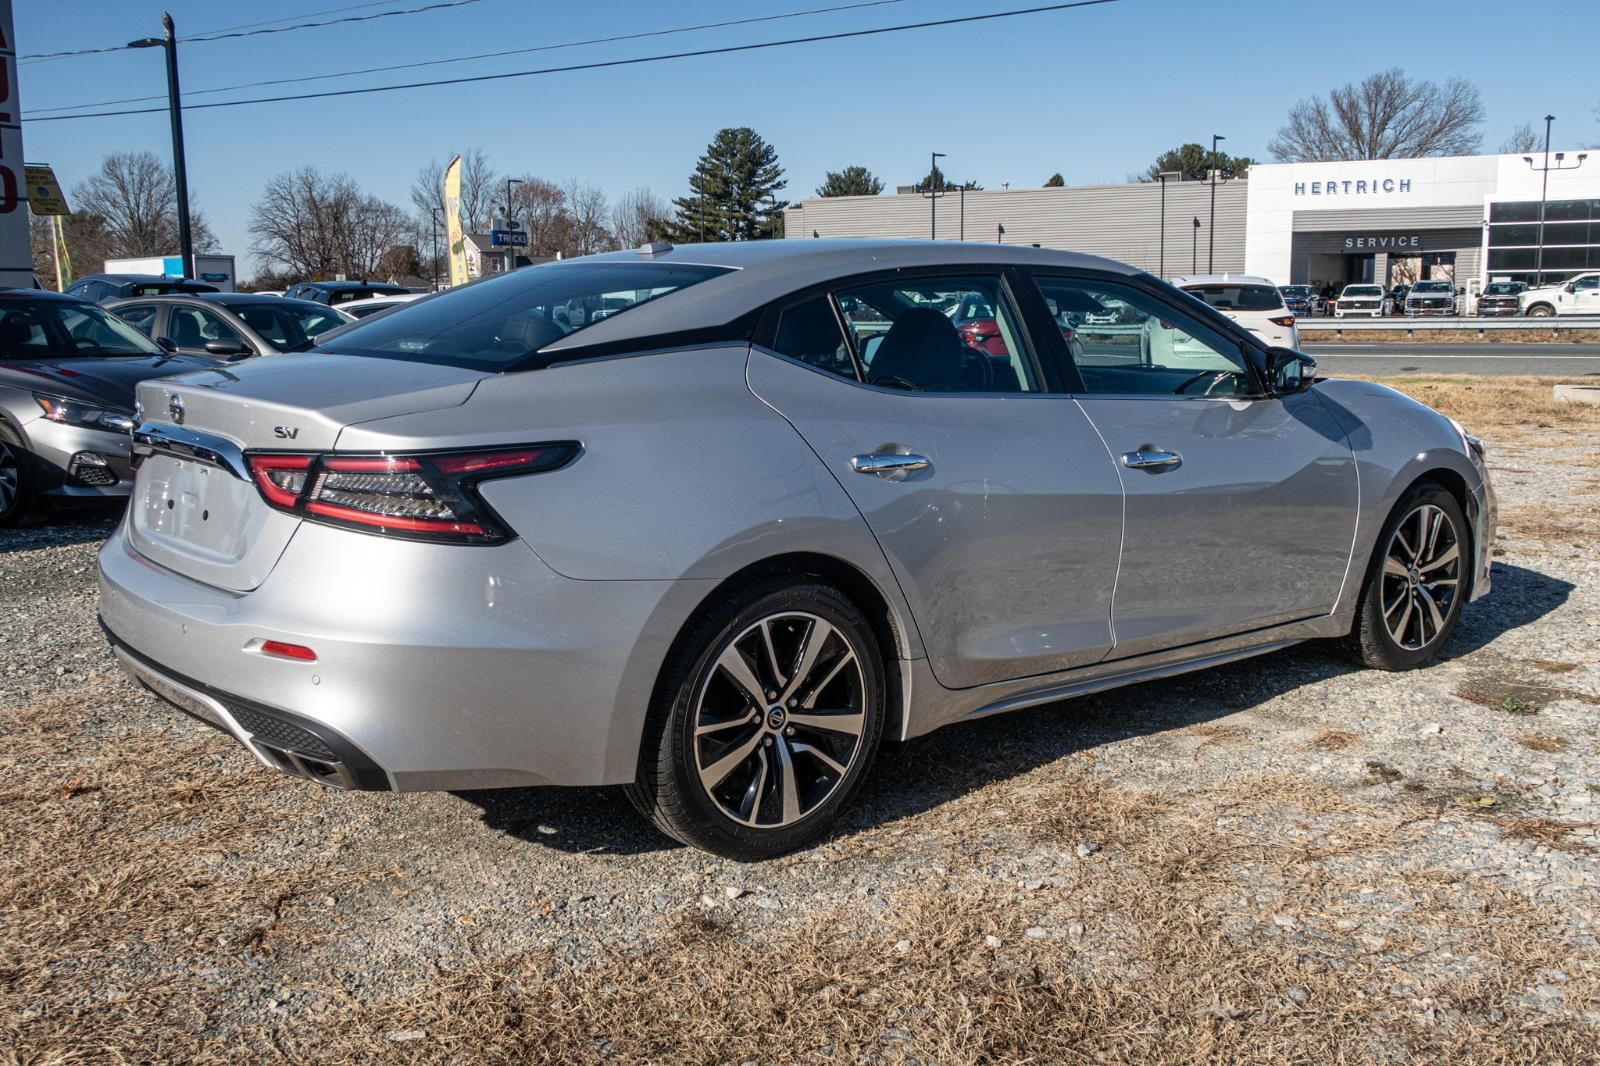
x,y
452,221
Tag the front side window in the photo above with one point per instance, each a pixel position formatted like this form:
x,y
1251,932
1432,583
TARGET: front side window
x,y
1592,281
193,327
32,329
938,334
495,325
1125,341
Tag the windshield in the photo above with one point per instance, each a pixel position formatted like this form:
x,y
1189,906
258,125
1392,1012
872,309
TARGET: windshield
x,y
1296,292
58,329
493,325
366,292
287,325
1433,286
1504,288
1233,296
1363,290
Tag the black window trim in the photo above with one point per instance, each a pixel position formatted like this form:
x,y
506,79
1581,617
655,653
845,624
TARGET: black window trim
x,y
1251,349
766,329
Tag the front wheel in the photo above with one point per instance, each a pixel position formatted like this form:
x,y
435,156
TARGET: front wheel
x,y
1541,311
19,499
1416,582
767,719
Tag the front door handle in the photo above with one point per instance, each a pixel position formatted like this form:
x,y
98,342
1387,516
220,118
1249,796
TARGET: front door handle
x,y
891,466
1151,459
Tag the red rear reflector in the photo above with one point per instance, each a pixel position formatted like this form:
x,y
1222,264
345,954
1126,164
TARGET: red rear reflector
x,y
279,649
482,462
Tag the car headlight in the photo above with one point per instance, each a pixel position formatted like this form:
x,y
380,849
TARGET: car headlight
x,y
76,413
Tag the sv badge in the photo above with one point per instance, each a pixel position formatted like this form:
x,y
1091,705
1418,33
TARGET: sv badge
x,y
286,432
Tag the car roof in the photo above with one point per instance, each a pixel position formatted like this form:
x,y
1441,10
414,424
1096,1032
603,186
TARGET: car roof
x,y
339,286
227,299
762,271
44,294
1185,280
143,279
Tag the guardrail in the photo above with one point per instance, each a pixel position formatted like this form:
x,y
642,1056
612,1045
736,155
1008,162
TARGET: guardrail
x,y
1551,324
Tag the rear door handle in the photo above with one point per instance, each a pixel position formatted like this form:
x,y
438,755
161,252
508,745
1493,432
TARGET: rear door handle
x,y
891,466
1151,459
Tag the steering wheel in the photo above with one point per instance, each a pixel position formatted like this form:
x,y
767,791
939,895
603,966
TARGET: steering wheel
x,y
985,368
892,381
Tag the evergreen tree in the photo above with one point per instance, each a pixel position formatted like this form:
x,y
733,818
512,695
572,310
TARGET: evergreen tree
x,y
851,181
1055,181
733,193
936,178
1194,160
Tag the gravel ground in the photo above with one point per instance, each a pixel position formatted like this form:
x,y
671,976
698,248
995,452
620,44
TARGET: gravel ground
x,y
1285,859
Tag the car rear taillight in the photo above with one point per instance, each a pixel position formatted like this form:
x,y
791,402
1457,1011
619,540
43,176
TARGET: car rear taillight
x,y
1282,320
419,496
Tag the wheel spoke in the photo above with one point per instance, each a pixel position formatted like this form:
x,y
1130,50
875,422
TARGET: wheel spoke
x,y
1434,615
817,634
706,728
1394,567
734,665
1433,535
1445,558
800,747
1398,629
750,806
718,772
772,654
847,721
787,782
833,671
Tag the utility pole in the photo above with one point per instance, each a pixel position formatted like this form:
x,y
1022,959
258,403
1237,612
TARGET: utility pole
x,y
1211,233
511,249
433,264
180,174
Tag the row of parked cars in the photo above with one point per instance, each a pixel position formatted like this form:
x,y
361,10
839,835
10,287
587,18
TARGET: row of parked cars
x,y
70,362
1579,295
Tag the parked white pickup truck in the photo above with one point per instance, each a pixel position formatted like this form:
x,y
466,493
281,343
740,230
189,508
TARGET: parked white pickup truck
x,y
1576,296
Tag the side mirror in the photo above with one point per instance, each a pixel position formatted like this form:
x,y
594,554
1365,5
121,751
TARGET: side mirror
x,y
1289,371
165,344
225,348
1568,288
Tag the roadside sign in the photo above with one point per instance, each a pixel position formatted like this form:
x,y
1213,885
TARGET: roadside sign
x,y
507,233
44,192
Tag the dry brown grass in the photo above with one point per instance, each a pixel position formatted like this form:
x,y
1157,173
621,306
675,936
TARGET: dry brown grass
x,y
1575,522
1545,831
1332,740
1533,742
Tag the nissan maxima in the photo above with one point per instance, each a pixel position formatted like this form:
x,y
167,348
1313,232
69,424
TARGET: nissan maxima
x,y
717,522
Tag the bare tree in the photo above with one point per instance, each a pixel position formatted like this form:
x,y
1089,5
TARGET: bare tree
x,y
135,196
589,219
88,246
1524,138
640,217
541,206
318,225
480,188
1386,116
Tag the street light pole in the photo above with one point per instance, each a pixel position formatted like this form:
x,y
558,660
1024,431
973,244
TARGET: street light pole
x,y
933,194
1194,248
511,249
180,174
1211,233
1544,189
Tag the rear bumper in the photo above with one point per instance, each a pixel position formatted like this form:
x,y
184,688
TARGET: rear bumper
x,y
438,667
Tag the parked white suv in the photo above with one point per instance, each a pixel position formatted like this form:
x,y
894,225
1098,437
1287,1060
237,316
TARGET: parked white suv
x,y
1253,302
1576,296
1362,298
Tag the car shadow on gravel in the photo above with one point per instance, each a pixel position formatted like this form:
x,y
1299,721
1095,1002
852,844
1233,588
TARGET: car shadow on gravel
x,y
935,769
77,526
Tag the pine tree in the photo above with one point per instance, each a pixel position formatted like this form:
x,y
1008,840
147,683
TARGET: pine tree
x,y
1056,181
851,181
936,179
733,191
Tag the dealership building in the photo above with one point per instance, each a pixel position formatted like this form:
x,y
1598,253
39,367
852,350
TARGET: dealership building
x,y
1470,218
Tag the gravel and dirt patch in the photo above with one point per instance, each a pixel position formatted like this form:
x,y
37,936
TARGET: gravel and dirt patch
x,y
1283,860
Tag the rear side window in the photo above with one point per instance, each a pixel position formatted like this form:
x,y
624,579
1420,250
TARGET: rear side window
x,y
1226,296
141,317
494,325
810,332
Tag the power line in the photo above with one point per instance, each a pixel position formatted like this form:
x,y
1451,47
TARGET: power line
x,y
439,4
479,56
725,50
305,15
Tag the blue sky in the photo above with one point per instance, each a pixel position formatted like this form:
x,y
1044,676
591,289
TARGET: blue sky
x,y
1094,93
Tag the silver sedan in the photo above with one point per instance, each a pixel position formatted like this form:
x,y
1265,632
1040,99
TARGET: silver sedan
x,y
716,522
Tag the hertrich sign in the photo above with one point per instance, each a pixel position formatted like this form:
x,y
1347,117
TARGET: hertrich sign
x,y
1358,187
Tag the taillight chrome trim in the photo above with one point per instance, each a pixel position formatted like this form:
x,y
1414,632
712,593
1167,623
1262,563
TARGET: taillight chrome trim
x,y
450,474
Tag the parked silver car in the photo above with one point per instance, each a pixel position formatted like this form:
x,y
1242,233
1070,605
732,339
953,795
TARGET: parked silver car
x,y
230,325
721,542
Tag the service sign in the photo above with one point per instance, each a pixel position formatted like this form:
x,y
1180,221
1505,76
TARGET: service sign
x,y
44,192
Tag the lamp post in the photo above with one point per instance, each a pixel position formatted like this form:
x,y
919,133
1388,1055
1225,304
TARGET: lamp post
x,y
1000,233
1162,176
933,192
1544,189
1194,248
1211,233
180,174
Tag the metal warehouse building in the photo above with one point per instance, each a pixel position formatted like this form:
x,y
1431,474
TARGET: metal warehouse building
x,y
1470,218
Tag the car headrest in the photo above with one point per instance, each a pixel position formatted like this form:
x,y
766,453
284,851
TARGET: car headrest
x,y
921,347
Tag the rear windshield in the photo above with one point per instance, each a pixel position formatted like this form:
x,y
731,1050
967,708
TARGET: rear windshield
x,y
1363,290
1504,288
1296,292
1231,296
339,296
495,324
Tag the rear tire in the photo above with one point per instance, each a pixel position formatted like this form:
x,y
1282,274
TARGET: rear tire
x,y
20,504
1541,311
767,718
1415,583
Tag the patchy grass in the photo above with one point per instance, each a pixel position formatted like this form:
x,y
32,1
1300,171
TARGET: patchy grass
x,y
1533,742
1544,831
1521,408
1333,740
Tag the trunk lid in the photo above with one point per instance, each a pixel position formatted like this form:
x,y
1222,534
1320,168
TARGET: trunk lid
x,y
194,509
